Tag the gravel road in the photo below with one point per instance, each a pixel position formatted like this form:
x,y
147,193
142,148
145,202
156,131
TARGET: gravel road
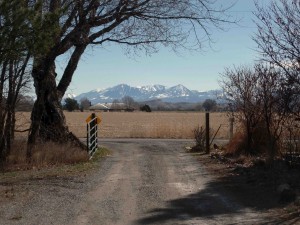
x,y
142,182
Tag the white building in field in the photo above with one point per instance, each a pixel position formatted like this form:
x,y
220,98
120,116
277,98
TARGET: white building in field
x,y
110,107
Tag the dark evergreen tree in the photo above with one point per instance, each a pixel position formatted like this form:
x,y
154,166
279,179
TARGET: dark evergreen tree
x,y
209,104
145,108
71,104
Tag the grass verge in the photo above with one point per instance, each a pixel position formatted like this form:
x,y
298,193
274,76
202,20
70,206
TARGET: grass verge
x,y
57,170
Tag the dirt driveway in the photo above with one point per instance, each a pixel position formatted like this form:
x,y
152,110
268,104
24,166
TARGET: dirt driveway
x,y
142,182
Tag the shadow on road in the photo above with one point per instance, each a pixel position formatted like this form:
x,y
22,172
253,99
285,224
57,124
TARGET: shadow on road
x,y
232,196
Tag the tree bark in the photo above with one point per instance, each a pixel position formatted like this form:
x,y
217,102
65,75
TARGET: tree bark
x,y
48,122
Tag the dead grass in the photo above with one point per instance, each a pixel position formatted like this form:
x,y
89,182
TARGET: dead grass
x,y
44,155
141,124
15,172
147,125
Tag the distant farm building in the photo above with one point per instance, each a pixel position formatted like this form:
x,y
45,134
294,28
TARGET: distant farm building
x,y
111,107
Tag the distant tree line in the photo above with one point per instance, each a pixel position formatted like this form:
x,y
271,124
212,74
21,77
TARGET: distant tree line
x,y
71,104
208,105
154,105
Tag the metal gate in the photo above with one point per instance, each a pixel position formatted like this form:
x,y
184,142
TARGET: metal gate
x,y
92,133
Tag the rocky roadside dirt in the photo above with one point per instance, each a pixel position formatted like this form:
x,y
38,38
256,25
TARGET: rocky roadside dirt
x,y
255,184
45,196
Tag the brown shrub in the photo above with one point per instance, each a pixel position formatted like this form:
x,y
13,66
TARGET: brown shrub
x,y
259,142
199,136
236,145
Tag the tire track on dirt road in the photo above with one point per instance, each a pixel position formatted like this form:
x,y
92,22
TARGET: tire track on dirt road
x,y
156,182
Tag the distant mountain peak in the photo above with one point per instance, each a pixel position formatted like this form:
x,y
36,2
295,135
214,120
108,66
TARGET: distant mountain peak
x,y
155,87
179,87
98,90
70,95
178,93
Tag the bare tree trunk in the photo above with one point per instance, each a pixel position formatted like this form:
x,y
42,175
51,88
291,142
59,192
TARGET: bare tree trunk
x,y
6,113
2,114
249,136
48,122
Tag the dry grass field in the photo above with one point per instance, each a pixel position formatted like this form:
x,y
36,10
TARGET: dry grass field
x,y
140,124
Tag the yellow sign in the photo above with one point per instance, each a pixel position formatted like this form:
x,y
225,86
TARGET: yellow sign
x,y
88,119
98,119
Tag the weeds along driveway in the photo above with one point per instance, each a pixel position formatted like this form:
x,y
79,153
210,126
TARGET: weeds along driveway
x,y
142,182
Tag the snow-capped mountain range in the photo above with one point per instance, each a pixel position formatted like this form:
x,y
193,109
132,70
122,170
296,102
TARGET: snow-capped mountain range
x,y
178,93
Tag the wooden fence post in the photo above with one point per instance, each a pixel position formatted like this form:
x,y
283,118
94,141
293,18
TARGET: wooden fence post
x,y
231,120
207,132
87,137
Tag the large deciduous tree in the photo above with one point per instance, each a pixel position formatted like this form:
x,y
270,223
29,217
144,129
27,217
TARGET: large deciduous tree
x,y
70,26
129,102
254,97
278,39
240,88
272,116
85,104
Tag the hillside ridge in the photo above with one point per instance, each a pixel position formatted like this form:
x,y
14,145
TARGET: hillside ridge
x,y
174,94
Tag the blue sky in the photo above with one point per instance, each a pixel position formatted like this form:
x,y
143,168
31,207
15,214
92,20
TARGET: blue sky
x,y
102,68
